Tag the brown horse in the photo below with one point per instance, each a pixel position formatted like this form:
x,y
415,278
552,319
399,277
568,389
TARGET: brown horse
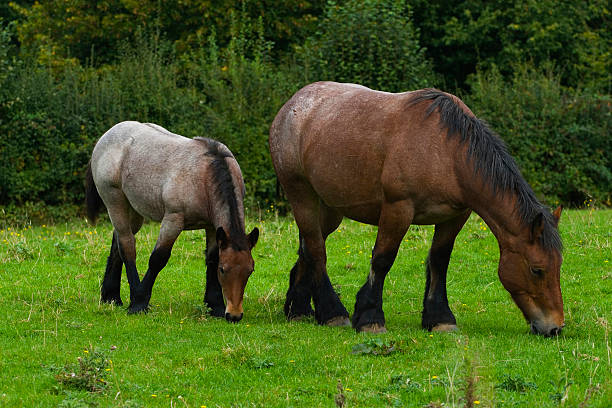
x,y
391,160
142,170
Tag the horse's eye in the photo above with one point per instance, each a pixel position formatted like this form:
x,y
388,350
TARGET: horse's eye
x,y
221,270
537,272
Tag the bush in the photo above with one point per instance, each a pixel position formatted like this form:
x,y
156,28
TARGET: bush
x,y
51,116
51,121
463,34
242,93
559,137
371,42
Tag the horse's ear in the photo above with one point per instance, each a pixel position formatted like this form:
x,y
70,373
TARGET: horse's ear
x,y
222,240
253,237
557,214
537,226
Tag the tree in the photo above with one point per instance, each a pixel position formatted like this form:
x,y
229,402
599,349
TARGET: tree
x,y
575,35
71,32
370,42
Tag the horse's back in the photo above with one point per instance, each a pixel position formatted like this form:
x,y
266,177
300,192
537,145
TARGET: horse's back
x,y
155,169
323,114
144,148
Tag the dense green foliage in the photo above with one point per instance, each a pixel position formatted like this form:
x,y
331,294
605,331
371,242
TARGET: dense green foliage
x,y
575,35
372,43
539,72
59,347
560,138
50,122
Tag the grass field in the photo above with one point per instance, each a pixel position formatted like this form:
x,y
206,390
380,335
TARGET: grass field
x,y
60,347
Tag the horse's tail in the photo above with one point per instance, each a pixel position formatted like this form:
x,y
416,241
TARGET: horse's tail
x,y
92,197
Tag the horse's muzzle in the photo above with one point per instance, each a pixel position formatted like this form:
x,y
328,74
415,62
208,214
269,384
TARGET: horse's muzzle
x,y
547,331
233,318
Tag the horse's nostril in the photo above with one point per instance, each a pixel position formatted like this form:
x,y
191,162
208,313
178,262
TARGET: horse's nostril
x,y
555,331
233,318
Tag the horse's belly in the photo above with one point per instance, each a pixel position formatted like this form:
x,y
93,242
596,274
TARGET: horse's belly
x,y
435,213
368,213
358,201
150,209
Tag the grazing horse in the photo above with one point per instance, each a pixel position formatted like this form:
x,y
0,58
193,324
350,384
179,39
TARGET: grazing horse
x,y
391,160
142,170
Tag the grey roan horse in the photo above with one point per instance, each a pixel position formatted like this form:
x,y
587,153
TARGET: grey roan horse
x,y
142,170
391,160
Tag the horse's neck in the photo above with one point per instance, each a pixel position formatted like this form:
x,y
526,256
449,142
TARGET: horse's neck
x,y
225,200
500,212
229,220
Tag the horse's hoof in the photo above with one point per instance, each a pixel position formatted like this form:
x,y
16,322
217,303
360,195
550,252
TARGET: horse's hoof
x,y
445,327
116,301
138,309
298,318
217,312
338,321
373,328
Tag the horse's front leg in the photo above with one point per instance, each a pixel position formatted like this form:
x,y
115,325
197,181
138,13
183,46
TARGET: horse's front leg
x,y
171,227
436,312
394,221
213,295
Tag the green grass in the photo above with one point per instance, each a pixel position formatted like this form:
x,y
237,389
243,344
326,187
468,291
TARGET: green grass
x,y
178,356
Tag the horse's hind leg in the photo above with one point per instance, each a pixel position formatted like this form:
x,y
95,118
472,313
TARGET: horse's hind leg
x,y
394,221
299,295
329,220
171,227
309,276
298,298
436,312
110,290
111,283
120,213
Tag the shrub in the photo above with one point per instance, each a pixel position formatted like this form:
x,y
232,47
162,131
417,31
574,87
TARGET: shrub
x,y
371,42
51,121
242,92
559,137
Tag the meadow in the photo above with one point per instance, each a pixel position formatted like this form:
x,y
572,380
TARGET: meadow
x,y
59,346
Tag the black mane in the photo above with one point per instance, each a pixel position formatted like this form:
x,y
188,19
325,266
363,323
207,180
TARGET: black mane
x,y
226,190
488,154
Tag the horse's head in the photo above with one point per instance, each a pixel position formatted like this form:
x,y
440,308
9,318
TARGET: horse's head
x,y
529,268
235,266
